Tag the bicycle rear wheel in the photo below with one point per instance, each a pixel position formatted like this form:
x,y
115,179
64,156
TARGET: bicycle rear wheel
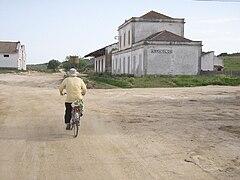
x,y
75,129
76,123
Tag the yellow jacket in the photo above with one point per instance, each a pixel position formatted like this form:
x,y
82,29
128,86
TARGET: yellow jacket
x,y
75,88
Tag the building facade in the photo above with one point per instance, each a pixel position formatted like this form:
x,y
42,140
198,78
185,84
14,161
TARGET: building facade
x,y
163,53
12,55
153,44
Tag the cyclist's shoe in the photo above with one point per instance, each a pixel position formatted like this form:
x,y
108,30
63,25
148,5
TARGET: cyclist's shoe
x,y
68,127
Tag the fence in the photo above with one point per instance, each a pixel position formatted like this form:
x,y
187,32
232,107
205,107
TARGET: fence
x,y
214,73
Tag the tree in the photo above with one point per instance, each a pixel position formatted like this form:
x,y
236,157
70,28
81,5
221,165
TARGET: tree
x,y
82,64
66,65
223,54
53,64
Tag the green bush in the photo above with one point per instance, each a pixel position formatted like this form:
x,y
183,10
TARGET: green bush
x,y
53,64
66,65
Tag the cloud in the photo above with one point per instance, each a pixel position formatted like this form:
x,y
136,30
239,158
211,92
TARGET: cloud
x,y
220,0
215,20
229,39
219,21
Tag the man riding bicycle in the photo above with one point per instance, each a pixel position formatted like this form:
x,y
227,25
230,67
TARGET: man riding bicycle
x,y
76,89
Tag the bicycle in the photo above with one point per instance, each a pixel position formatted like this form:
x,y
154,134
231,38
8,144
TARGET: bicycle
x,y
75,117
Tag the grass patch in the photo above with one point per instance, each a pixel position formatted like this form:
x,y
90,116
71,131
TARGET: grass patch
x,y
152,81
231,63
191,81
109,81
5,71
40,68
114,81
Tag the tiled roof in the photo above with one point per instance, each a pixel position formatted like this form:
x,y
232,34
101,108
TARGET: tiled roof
x,y
8,47
155,15
203,53
99,52
167,36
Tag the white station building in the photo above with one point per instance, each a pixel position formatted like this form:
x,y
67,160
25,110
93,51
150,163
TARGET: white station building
x,y
12,55
154,44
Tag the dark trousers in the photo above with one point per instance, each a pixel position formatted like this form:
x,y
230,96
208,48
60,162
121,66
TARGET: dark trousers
x,y
68,112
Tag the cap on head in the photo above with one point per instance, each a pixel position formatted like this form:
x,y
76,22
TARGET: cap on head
x,y
73,72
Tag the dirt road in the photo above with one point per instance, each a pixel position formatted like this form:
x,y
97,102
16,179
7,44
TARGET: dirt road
x,y
179,133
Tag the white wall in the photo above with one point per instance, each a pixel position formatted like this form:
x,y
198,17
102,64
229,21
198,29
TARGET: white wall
x,y
146,29
125,30
108,57
138,62
121,63
128,62
173,59
161,59
9,62
217,61
207,61
22,58
141,30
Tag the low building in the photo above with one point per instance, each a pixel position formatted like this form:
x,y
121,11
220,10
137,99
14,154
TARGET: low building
x,y
210,62
12,55
103,58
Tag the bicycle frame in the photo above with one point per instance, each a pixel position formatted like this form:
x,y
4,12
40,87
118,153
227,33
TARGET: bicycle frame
x,y
77,108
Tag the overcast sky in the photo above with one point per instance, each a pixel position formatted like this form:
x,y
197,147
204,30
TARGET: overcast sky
x,y
54,29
